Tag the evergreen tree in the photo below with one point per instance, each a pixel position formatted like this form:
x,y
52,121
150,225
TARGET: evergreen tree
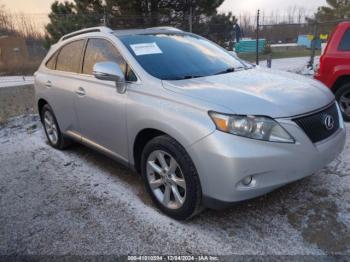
x,y
61,21
70,16
219,29
336,9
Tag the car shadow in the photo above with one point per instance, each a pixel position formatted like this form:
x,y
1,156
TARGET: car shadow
x,y
114,168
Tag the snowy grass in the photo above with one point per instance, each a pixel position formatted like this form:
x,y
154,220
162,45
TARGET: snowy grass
x,y
8,81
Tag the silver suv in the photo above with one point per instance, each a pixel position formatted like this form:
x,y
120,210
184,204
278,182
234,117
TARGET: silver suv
x,y
204,128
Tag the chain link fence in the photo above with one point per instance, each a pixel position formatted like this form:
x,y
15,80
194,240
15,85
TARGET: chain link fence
x,y
287,40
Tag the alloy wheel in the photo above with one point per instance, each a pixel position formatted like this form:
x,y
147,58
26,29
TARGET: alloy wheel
x,y
50,127
166,179
344,103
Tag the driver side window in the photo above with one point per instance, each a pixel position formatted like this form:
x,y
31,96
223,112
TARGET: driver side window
x,y
101,50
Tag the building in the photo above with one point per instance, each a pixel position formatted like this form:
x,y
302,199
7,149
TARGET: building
x,y
306,40
13,50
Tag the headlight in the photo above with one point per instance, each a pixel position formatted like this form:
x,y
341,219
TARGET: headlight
x,y
255,127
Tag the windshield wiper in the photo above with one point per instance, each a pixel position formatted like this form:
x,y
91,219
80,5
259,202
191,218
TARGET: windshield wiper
x,y
181,77
228,70
231,70
191,77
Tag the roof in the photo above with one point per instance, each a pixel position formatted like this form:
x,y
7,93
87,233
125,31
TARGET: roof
x,y
103,29
344,23
152,30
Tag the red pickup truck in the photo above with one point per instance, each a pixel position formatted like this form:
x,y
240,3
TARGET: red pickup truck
x,y
334,68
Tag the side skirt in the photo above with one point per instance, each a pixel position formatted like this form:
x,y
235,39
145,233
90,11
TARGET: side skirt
x,y
105,151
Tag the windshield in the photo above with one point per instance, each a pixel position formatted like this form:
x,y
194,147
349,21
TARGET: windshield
x,y
180,56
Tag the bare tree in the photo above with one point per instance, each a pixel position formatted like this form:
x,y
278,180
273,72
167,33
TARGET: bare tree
x,y
19,24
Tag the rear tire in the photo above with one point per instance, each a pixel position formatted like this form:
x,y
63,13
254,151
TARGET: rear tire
x,y
176,173
53,133
343,97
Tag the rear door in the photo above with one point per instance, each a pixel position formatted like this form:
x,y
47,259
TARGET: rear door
x,y
100,108
63,80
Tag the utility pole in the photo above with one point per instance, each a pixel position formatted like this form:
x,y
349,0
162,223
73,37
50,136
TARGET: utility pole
x,y
103,20
104,16
313,46
257,36
190,17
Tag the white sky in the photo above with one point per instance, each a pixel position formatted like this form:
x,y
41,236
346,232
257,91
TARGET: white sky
x,y
235,6
238,7
28,6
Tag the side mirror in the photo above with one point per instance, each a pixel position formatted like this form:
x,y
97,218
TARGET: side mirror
x,y
110,71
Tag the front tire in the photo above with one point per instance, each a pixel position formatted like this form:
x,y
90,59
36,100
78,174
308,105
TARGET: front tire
x,y
52,130
171,178
343,97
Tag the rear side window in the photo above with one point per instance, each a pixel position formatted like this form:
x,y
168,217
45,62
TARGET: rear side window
x,y
101,50
345,42
51,64
68,59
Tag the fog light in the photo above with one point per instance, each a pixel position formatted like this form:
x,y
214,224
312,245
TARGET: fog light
x,y
247,181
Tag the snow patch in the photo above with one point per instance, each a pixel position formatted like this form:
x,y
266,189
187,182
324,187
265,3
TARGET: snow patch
x,y
8,81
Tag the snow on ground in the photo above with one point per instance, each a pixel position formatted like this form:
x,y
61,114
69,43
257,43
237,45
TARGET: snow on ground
x,y
80,202
285,45
294,65
8,81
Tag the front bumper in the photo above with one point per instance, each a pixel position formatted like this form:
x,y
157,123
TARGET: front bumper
x,y
224,160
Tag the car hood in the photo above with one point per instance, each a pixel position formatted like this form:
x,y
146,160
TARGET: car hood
x,y
257,91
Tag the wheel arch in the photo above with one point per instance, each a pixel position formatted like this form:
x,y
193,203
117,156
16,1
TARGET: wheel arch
x,y
141,139
186,132
341,80
41,103
147,134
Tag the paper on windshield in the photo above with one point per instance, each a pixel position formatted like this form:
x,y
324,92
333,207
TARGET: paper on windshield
x,y
146,49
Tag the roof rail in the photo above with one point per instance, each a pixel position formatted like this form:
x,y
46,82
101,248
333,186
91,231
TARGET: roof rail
x,y
101,29
165,28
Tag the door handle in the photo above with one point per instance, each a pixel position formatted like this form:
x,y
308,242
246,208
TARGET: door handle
x,y
48,84
80,91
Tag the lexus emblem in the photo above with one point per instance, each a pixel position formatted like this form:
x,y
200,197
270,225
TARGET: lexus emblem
x,y
328,122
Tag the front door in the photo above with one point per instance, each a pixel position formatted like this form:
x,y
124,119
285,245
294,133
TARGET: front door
x,y
100,108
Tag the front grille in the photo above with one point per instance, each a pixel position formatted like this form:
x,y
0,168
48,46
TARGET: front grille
x,y
315,125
